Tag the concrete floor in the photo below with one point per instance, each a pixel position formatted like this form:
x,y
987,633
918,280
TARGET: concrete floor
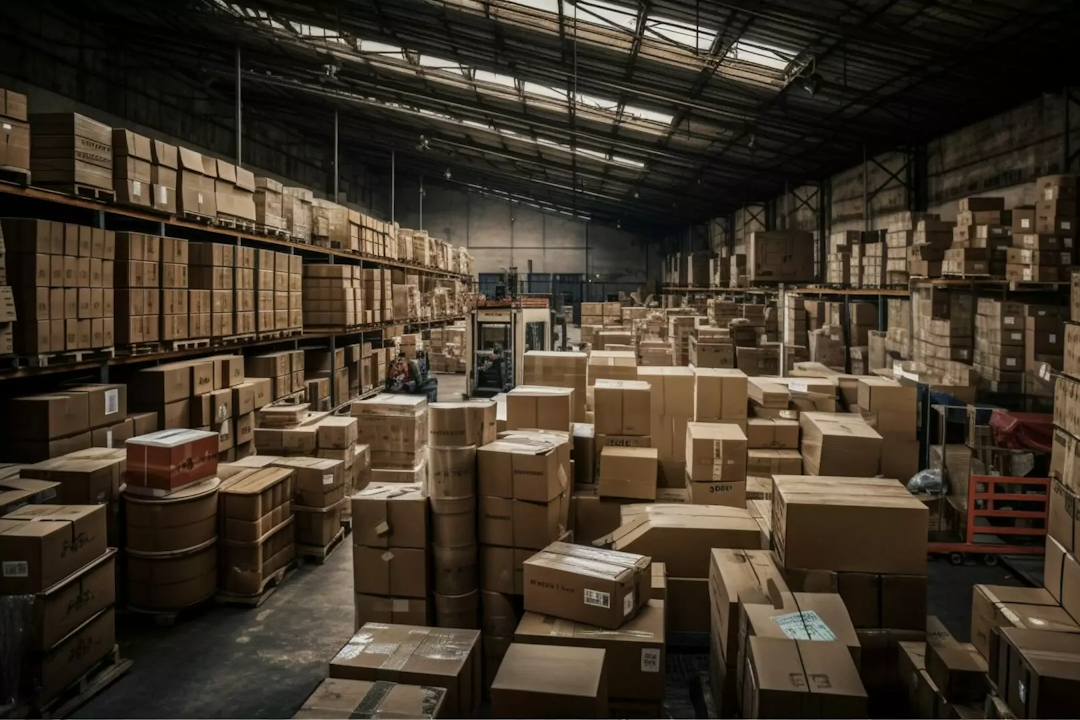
x,y
263,662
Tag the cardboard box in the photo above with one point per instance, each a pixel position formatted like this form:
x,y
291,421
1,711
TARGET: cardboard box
x,y
715,452
839,444
549,681
738,577
729,494
848,524
436,657
390,515
592,515
627,472
622,407
584,584
43,544
15,492
997,606
167,460
956,668
634,655
532,467
65,663
768,433
343,699
540,408
891,405
46,417
784,678
1038,672
767,463
719,394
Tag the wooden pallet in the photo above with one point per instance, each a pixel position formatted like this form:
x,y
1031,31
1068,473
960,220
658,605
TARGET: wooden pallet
x,y
279,233
346,525
236,339
277,334
269,585
195,218
14,175
168,618
143,349
64,358
234,223
317,554
104,673
86,192
189,344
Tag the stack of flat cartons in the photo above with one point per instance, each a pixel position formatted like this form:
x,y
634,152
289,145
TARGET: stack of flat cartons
x,y
195,185
284,369
324,364
61,292
1000,345
716,464
396,429
931,239
1043,236
781,256
891,410
176,308
455,430
138,283
163,176
258,530
897,243
865,539
212,268
330,225
944,335
898,335
632,655
234,192
524,489
15,140
627,465
269,208
131,168
391,559
297,211
68,150
873,261
772,449
671,407
59,640
838,444
244,307
332,296
320,484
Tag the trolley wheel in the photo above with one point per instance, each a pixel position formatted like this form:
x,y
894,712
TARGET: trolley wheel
x,y
990,560
956,558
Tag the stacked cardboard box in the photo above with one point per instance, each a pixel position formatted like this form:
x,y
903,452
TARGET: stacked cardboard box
x,y
258,529
671,406
234,191
284,369
15,135
540,408
626,464
839,444
897,243
177,311
716,464
448,355
871,551
320,483
772,449
195,184
874,261
323,364
164,165
524,489
138,288
943,337
330,225
131,168
890,408
379,698
69,150
1043,235
396,429
781,256
297,211
332,296
61,293
212,268
711,347
932,237
609,365
898,335
58,640
269,207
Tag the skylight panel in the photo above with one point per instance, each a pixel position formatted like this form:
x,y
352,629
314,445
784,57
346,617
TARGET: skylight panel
x,y
691,36
378,48
628,162
599,103
495,78
651,115
547,91
437,63
609,14
551,6
760,54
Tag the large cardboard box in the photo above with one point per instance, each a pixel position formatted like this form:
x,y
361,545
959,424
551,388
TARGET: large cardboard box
x,y
540,408
43,544
719,394
1038,672
46,417
436,657
548,681
780,256
682,536
395,426
524,466
892,406
390,515
628,472
593,516
784,678
586,584
715,452
622,407
336,699
738,577
769,433
61,609
957,669
848,524
839,444
811,616
1005,606
634,654
167,460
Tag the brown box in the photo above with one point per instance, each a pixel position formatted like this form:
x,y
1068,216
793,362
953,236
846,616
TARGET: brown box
x,y
162,462
781,674
540,408
738,577
334,698
390,515
524,466
768,433
613,585
622,407
719,394
43,544
1004,606
715,452
956,668
839,444
628,472
1037,672
550,681
436,657
46,417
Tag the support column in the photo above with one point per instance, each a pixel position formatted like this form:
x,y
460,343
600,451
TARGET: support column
x,y
239,112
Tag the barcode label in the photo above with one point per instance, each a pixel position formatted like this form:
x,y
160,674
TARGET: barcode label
x,y
1010,321
1010,362
597,598
1017,336
628,604
804,626
136,188
327,479
108,439
16,568
798,387
650,660
1025,223
112,401
1066,225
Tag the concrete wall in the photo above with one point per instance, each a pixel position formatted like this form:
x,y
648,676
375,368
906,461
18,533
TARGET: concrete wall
x,y
501,234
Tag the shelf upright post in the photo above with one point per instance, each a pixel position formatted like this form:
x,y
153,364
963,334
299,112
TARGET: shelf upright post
x,y
336,173
239,111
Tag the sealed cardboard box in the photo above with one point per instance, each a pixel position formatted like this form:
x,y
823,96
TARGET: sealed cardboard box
x,y
436,657
634,654
996,606
167,460
524,467
61,609
585,584
719,394
839,444
390,610
1038,672
43,544
768,433
593,516
622,407
46,417
730,494
628,472
801,678
15,492
715,452
811,616
957,668
767,463
393,572
344,699
390,515
58,669
540,408
848,524
738,577
550,681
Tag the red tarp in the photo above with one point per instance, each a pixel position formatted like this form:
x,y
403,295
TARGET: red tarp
x,y
1023,431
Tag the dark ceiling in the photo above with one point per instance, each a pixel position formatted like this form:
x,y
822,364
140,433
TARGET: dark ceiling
x,y
686,109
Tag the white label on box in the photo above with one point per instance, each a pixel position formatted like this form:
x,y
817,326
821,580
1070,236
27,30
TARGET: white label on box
x,y
1010,321
1025,223
400,605
1048,193
136,188
222,414
798,387
164,194
112,401
1066,225
200,198
387,556
1067,242
1023,691
224,429
327,479
6,126
1053,338
1010,362
108,439
1016,336
628,603
804,626
650,660
596,598
1044,371
16,568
